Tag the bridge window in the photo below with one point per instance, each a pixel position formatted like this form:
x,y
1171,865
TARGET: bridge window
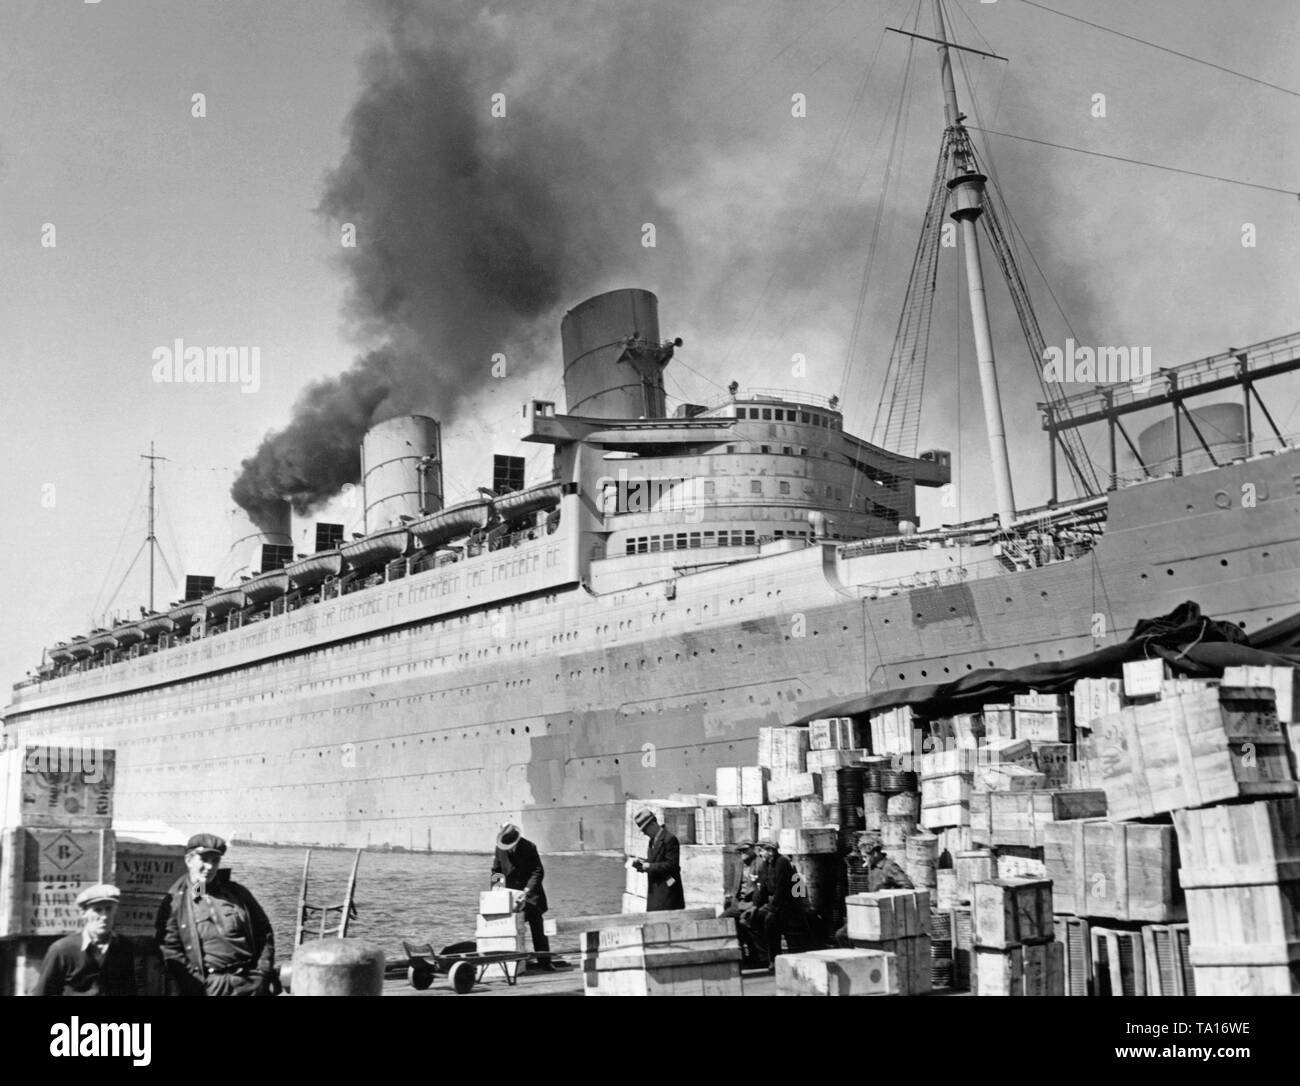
x,y
767,413
708,488
756,486
803,416
779,415
785,488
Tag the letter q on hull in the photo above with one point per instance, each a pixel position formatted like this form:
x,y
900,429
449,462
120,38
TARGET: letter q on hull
x,y
401,470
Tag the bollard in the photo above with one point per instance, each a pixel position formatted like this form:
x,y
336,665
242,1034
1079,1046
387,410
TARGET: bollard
x,y
337,967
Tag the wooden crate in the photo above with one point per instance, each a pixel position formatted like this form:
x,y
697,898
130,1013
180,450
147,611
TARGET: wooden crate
x,y
43,870
500,927
963,947
826,762
913,956
709,873
1096,698
809,841
834,733
727,785
1200,747
1075,936
1168,961
145,872
1118,962
1043,726
1020,818
1009,778
57,787
783,750
999,721
1053,762
972,866
893,731
1021,867
1007,752
753,785
888,914
1011,912
1142,678
676,955
840,972
1241,874
784,787
1037,969
1114,870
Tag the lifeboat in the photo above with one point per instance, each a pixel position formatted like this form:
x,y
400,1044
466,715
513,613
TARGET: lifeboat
x,y
128,634
60,654
457,520
102,640
184,615
520,503
153,625
267,586
376,549
223,601
80,648
310,571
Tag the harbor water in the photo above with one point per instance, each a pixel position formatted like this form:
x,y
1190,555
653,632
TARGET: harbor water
x,y
414,896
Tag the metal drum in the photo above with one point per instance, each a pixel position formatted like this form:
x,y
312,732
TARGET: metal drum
x,y
848,780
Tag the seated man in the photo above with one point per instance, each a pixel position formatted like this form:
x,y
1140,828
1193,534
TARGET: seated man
x,y
774,901
740,902
882,874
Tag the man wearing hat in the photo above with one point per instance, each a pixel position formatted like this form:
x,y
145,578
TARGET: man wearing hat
x,y
882,874
740,902
93,961
774,900
518,866
662,865
215,938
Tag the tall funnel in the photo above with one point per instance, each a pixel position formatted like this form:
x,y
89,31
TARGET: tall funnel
x,y
613,360
254,549
401,470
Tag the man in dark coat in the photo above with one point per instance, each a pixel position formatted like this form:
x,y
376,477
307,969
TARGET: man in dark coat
x,y
774,899
518,866
662,865
93,961
882,874
214,936
740,902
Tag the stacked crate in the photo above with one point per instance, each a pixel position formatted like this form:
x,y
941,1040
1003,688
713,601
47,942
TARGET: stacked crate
x,y
835,733
672,956
1241,875
840,972
499,927
894,731
1286,691
947,781
1186,749
677,814
56,839
897,921
1016,952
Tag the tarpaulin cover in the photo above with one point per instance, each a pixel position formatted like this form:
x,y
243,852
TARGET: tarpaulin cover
x,y
1193,645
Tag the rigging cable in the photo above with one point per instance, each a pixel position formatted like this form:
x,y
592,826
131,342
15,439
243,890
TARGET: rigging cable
x,y
1141,162
1162,48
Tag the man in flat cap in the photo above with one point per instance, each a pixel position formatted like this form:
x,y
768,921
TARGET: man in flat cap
x,y
662,865
740,902
215,938
774,901
93,961
517,866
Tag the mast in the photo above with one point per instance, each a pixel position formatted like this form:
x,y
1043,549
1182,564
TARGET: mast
x,y
968,196
151,539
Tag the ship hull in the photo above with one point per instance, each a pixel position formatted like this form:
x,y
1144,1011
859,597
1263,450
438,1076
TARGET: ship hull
x,y
553,706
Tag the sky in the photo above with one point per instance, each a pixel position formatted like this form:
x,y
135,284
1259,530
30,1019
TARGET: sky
x,y
133,214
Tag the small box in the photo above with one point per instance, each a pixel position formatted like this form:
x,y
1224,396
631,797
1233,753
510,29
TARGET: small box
x,y
1142,678
1011,912
728,786
1007,752
1009,778
510,926
841,972
1035,970
1053,761
1044,726
498,902
753,785
888,914
789,786
808,841
999,722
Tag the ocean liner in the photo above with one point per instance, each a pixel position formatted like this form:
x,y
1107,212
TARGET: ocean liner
x,y
543,653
